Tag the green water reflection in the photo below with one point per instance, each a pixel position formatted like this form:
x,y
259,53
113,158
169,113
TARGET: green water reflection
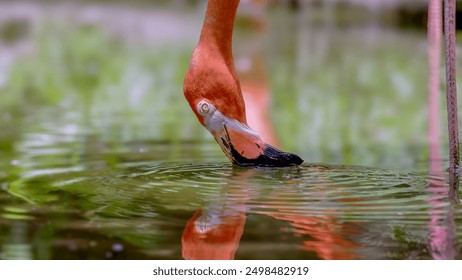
x,y
163,210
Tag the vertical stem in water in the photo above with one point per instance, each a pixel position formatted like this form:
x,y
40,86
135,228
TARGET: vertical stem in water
x,y
451,89
434,34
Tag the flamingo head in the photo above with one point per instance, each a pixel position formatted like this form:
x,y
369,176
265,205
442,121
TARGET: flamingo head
x,y
213,93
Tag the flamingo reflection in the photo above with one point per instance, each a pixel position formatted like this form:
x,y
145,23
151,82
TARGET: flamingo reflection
x,y
214,232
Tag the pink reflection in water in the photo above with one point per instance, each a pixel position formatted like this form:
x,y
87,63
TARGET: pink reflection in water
x,y
441,227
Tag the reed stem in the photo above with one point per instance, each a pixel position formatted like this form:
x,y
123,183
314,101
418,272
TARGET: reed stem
x,y
451,88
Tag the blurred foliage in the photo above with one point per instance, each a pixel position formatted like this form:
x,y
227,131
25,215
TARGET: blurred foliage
x,y
359,95
82,69
350,95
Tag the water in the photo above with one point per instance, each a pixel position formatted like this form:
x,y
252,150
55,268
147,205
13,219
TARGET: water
x,y
102,158
170,209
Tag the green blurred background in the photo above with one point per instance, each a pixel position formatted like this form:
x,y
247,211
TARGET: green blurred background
x,y
103,79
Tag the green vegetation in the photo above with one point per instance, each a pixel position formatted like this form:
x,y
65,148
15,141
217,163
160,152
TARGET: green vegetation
x,y
339,96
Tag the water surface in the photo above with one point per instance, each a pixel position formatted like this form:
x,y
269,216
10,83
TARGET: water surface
x,y
192,208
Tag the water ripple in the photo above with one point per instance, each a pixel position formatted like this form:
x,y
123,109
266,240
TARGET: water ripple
x,y
313,199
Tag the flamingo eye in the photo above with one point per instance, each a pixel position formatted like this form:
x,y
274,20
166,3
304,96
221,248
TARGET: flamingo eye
x,y
203,107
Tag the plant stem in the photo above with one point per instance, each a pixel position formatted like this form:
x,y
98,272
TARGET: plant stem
x,y
434,35
451,89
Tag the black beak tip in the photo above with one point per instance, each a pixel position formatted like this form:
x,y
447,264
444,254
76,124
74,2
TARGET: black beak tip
x,y
294,159
278,158
271,157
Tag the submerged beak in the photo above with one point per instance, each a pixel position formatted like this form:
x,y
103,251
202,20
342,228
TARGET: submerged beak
x,y
240,143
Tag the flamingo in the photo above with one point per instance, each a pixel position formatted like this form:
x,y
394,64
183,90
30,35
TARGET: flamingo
x,y
213,91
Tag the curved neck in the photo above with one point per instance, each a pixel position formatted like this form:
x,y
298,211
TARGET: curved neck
x,y
217,30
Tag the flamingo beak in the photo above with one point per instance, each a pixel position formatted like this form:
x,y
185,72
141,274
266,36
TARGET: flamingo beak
x,y
240,143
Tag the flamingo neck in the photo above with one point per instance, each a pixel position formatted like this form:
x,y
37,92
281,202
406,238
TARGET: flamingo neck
x,y
217,30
